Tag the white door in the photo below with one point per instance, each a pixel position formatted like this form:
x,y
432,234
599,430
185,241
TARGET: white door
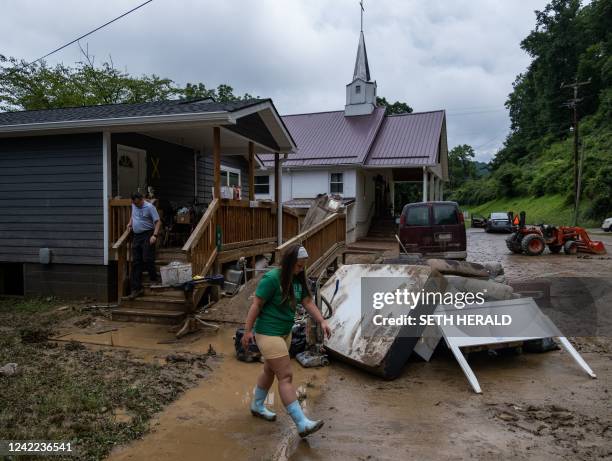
x,y
131,170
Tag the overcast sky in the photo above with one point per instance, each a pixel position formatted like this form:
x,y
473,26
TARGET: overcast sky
x,y
458,55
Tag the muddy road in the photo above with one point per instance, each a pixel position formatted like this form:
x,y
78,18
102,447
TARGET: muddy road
x,y
533,406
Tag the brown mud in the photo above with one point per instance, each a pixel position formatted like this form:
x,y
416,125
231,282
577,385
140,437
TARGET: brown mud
x,y
533,406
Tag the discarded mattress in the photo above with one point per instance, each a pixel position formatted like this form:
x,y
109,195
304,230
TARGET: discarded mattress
x,y
382,350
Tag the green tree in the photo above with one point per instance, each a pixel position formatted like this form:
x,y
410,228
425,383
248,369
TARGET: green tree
x,y
41,86
393,109
461,165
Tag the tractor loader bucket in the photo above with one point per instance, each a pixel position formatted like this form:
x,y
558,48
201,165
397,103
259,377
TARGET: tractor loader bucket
x,y
596,247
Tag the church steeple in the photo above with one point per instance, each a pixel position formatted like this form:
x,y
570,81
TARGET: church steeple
x,y
361,92
362,68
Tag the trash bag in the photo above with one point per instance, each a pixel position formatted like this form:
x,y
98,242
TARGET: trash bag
x,y
298,339
251,354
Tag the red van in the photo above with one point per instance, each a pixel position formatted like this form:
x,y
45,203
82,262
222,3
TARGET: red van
x,y
433,229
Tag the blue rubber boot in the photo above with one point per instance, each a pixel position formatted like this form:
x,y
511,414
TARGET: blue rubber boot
x,y
257,405
304,425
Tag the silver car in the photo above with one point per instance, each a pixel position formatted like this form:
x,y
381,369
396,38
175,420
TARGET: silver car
x,y
607,225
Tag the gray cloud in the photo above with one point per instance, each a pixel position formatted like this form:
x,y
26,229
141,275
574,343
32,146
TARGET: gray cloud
x,y
457,55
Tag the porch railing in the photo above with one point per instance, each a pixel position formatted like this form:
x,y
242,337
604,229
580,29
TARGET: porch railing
x,y
321,241
246,225
291,223
238,223
120,211
201,247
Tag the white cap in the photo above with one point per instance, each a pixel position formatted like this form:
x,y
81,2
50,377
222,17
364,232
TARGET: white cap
x,y
302,253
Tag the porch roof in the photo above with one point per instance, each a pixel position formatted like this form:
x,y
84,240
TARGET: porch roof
x,y
244,118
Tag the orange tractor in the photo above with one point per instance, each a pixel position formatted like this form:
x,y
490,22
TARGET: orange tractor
x,y
532,240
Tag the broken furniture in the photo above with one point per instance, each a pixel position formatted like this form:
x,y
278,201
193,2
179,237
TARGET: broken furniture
x,y
529,324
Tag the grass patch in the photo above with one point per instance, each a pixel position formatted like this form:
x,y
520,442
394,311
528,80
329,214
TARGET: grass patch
x,y
550,209
66,392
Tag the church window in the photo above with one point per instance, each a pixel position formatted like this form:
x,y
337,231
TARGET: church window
x,y
336,183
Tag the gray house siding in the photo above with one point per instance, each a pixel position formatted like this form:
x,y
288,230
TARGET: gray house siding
x,y
51,196
205,174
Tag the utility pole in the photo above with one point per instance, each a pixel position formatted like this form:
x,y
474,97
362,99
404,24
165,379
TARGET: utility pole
x,y
573,104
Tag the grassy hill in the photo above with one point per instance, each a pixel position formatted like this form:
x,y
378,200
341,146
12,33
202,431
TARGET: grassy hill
x,y
549,209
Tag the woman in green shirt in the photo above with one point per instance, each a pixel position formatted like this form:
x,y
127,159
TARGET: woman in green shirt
x,y
272,316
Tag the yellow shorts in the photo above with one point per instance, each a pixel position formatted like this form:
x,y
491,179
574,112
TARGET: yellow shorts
x,y
273,347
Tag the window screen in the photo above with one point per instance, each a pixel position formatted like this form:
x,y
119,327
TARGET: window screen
x,y
336,183
417,216
262,184
445,214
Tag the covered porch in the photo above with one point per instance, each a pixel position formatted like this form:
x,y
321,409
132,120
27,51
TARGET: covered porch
x,y
200,177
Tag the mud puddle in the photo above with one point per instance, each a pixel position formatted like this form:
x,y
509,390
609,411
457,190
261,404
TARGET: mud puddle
x,y
212,420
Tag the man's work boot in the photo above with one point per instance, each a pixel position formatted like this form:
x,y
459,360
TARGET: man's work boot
x,y
304,425
135,294
257,405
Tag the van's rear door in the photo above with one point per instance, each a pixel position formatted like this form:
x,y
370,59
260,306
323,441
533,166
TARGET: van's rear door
x,y
448,228
415,233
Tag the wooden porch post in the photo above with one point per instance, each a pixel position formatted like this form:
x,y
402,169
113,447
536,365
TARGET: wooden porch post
x,y
217,161
251,171
278,199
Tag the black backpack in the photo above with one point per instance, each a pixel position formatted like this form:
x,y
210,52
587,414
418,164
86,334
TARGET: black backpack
x,y
251,354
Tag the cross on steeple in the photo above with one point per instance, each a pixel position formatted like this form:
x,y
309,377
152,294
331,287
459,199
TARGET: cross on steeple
x,y
362,10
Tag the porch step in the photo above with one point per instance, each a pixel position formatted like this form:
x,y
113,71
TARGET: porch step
x,y
162,290
165,303
166,317
164,256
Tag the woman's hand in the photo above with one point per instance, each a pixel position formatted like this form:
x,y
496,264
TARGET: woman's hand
x,y
247,339
326,329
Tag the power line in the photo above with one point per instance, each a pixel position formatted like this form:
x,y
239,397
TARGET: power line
x,y
89,33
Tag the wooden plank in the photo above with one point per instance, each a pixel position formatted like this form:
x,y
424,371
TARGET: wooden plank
x,y
304,235
325,260
217,161
251,171
198,231
234,255
247,243
278,196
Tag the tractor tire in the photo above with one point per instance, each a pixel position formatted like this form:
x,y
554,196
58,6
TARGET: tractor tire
x,y
533,245
570,248
555,249
513,244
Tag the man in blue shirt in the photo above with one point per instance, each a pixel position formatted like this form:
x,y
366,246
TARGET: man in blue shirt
x,y
145,224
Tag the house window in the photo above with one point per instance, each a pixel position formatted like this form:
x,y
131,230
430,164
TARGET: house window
x,y
230,176
336,183
358,89
262,185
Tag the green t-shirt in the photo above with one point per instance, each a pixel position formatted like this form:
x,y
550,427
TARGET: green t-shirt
x,y
276,318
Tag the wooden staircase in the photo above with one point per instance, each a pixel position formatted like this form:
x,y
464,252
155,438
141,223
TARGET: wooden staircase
x,y
382,229
158,304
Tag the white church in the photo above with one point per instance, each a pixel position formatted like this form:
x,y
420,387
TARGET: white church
x,y
359,154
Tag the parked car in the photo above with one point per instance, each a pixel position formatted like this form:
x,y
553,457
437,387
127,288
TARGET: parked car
x,y
433,229
479,221
498,222
607,225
